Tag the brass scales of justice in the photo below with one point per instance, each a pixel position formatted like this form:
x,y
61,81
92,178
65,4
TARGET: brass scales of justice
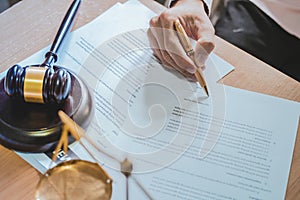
x,y
80,179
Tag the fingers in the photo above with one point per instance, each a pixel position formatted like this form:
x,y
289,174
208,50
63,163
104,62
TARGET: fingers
x,y
166,45
156,38
166,59
203,48
205,36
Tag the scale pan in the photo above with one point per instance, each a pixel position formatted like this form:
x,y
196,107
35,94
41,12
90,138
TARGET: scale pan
x,y
75,179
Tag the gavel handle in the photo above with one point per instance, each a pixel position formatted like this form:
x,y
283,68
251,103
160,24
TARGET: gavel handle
x,y
62,33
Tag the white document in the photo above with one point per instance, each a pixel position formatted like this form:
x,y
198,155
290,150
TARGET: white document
x,y
233,145
82,42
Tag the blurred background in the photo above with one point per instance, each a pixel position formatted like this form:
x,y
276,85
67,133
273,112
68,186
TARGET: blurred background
x,y
4,4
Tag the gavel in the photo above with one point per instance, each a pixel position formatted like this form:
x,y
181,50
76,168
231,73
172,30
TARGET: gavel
x,y
44,83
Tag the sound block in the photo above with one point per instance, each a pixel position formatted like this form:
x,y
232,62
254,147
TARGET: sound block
x,y
30,127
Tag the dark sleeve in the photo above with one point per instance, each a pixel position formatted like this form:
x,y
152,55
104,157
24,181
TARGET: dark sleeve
x,y
161,1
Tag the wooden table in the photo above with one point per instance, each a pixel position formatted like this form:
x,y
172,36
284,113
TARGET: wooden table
x,y
31,25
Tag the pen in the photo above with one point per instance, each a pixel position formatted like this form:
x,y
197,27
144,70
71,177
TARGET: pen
x,y
186,44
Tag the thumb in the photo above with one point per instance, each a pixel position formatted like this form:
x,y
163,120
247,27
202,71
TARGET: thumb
x,y
203,48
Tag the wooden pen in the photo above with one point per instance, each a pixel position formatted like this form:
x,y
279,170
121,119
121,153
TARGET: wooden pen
x,y
186,44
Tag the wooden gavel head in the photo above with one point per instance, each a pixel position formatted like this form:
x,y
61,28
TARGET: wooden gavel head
x,y
38,84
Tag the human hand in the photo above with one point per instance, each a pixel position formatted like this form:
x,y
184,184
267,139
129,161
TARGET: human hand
x,y
166,45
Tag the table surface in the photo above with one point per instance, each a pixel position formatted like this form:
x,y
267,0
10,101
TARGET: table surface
x,y
31,25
